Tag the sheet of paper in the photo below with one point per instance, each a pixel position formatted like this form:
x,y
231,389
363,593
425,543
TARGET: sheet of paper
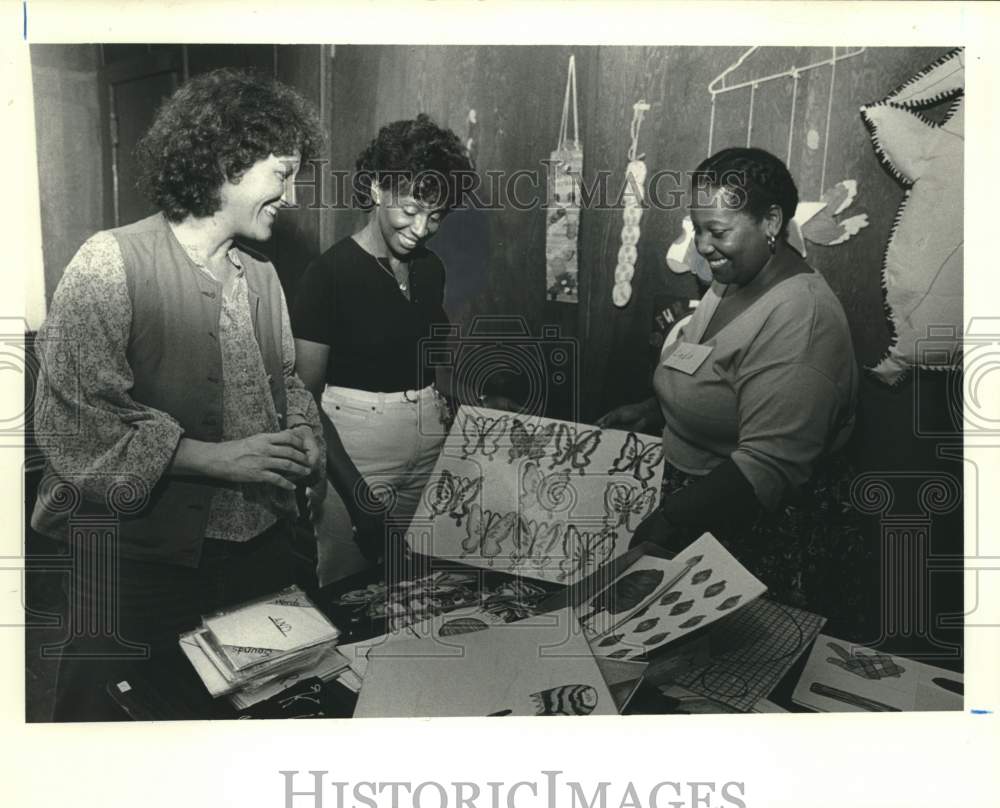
x,y
329,665
546,499
702,584
750,652
841,677
258,631
539,666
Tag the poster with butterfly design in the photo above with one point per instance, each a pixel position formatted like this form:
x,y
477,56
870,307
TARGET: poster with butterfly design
x,y
547,499
657,601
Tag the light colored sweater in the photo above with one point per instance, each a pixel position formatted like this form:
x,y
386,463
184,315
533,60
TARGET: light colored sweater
x,y
776,393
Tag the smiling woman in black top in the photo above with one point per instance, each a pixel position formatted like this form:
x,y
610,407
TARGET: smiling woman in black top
x,y
361,311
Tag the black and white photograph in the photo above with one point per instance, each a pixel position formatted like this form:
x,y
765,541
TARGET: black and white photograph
x,y
436,380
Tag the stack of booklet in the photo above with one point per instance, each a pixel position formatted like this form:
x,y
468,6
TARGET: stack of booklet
x,y
250,651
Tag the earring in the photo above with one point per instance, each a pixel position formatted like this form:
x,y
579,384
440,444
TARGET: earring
x,y
772,243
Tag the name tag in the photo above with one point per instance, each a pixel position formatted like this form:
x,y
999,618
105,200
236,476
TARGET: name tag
x,y
687,357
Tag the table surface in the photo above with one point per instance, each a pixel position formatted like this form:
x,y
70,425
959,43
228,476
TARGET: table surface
x,y
171,690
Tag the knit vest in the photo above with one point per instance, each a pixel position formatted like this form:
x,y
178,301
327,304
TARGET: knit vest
x,y
176,361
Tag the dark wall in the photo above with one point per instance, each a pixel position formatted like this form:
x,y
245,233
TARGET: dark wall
x,y
68,126
517,94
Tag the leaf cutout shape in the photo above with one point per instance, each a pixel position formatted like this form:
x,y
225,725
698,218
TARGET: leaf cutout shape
x,y
693,621
714,589
680,608
618,654
692,562
646,625
657,638
701,577
670,597
614,638
728,603
641,612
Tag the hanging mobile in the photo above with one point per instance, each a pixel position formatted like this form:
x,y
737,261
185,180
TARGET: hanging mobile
x,y
635,178
813,221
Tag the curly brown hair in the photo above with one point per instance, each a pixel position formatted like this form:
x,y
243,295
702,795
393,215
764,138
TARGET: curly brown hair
x,y
214,128
414,156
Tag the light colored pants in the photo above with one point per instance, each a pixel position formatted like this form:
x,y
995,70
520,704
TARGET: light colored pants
x,y
394,440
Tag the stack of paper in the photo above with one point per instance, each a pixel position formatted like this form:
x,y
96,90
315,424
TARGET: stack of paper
x,y
250,649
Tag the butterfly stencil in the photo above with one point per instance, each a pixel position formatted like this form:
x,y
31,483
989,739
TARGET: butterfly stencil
x,y
452,495
529,441
626,505
575,447
639,458
487,531
584,551
539,541
482,435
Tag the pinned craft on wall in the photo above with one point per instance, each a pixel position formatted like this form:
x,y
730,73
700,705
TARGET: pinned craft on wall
x,y
814,221
922,267
562,221
632,199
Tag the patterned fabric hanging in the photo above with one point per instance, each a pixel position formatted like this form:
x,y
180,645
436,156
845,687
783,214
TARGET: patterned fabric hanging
x,y
562,224
635,178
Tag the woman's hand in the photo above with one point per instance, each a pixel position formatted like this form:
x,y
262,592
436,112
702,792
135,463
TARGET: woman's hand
x,y
276,458
644,416
314,456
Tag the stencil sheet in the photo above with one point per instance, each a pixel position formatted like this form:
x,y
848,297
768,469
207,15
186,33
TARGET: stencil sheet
x,y
542,498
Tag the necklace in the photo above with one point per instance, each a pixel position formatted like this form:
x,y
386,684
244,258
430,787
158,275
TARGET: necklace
x,y
403,285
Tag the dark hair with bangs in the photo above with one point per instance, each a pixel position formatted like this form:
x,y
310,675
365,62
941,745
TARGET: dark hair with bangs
x,y
415,157
756,178
214,128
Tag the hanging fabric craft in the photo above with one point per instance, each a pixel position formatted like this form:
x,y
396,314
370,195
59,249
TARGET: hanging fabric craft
x,y
562,224
632,198
922,268
813,221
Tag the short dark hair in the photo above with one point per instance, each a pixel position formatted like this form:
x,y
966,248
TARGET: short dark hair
x,y
214,128
757,178
415,156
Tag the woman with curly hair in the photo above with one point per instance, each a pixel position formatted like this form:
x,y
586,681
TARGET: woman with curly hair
x,y
168,387
360,313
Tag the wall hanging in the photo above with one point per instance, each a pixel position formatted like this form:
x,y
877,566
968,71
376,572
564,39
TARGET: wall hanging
x,y
632,198
562,224
814,221
922,267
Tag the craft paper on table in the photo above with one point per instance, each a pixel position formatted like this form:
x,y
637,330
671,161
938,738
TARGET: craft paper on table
x,y
841,677
622,678
538,497
328,667
702,584
412,601
258,631
541,666
751,651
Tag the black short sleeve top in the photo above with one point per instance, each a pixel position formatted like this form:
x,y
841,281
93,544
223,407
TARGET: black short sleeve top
x,y
346,300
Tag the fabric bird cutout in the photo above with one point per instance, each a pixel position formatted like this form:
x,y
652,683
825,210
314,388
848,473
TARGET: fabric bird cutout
x,y
815,221
923,263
